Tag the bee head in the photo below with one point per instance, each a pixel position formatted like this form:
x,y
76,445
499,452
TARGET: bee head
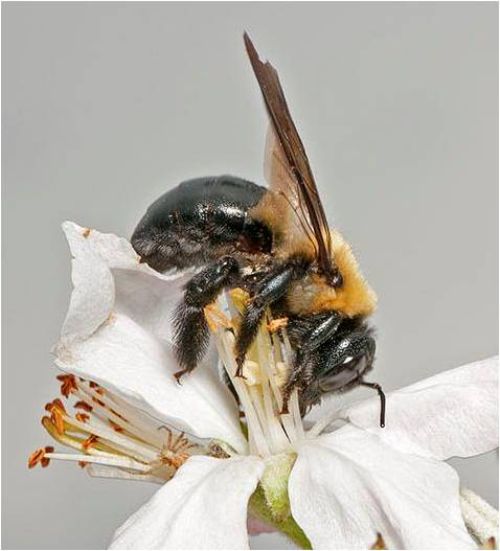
x,y
341,362
341,286
346,358
351,360
150,243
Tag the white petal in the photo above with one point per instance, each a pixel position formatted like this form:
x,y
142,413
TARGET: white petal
x,y
117,334
107,275
203,507
347,486
454,413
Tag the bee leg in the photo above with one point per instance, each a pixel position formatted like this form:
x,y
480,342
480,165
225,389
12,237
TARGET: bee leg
x,y
303,366
271,289
192,334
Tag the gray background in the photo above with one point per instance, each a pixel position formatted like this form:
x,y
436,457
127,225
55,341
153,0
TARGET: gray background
x,y
107,105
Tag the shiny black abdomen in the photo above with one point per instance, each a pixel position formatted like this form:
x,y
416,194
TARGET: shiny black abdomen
x,y
201,220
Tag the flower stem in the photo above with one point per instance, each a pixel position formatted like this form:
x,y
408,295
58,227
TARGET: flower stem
x,y
259,508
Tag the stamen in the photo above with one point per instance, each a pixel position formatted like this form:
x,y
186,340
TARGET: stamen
x,y
265,370
111,433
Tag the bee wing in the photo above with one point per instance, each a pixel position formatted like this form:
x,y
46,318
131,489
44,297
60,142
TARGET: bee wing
x,y
279,176
287,166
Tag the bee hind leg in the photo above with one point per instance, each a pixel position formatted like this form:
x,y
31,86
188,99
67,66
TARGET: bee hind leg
x,y
191,332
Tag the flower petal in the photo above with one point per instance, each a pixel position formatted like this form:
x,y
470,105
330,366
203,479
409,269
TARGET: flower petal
x,y
203,507
454,413
108,275
117,334
347,486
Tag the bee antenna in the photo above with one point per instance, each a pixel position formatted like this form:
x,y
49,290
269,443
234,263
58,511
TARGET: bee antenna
x,y
381,394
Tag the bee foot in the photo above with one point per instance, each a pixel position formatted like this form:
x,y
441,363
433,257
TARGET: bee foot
x,y
239,371
284,409
179,374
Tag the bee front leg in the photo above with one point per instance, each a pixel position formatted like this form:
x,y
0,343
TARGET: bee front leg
x,y
323,328
270,289
192,334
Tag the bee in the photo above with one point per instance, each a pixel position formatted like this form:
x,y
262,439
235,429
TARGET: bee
x,y
274,242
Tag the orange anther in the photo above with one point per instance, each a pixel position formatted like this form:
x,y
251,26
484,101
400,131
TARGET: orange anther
x,y
35,457
83,405
175,461
96,387
91,440
86,232
276,324
55,404
68,384
82,417
58,403
57,419
82,464
38,456
115,426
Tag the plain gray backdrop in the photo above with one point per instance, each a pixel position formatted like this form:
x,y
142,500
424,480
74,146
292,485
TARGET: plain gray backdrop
x,y
105,106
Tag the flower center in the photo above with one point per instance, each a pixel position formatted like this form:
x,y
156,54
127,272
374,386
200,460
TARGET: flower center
x,y
265,370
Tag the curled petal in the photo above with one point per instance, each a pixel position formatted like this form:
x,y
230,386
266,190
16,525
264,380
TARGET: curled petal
x,y
203,507
117,333
108,276
454,413
347,486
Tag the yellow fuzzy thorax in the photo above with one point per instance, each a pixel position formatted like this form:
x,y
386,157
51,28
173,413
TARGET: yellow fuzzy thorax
x,y
354,298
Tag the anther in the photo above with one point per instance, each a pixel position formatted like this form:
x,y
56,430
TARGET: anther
x,y
83,405
35,457
82,417
38,456
55,405
116,427
89,442
276,324
68,384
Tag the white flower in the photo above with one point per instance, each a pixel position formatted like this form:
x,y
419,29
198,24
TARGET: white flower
x,y
341,487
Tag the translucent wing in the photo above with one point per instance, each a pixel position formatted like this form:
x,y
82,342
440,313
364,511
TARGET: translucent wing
x,y
287,167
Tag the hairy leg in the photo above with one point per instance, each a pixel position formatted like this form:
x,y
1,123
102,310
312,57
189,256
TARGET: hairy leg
x,y
191,330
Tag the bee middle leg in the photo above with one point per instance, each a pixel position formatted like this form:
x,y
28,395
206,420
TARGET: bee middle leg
x,y
192,334
270,289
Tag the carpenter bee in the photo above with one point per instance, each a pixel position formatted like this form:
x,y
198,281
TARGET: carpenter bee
x,y
276,243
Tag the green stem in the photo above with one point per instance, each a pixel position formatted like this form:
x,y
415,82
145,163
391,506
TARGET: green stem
x,y
259,508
